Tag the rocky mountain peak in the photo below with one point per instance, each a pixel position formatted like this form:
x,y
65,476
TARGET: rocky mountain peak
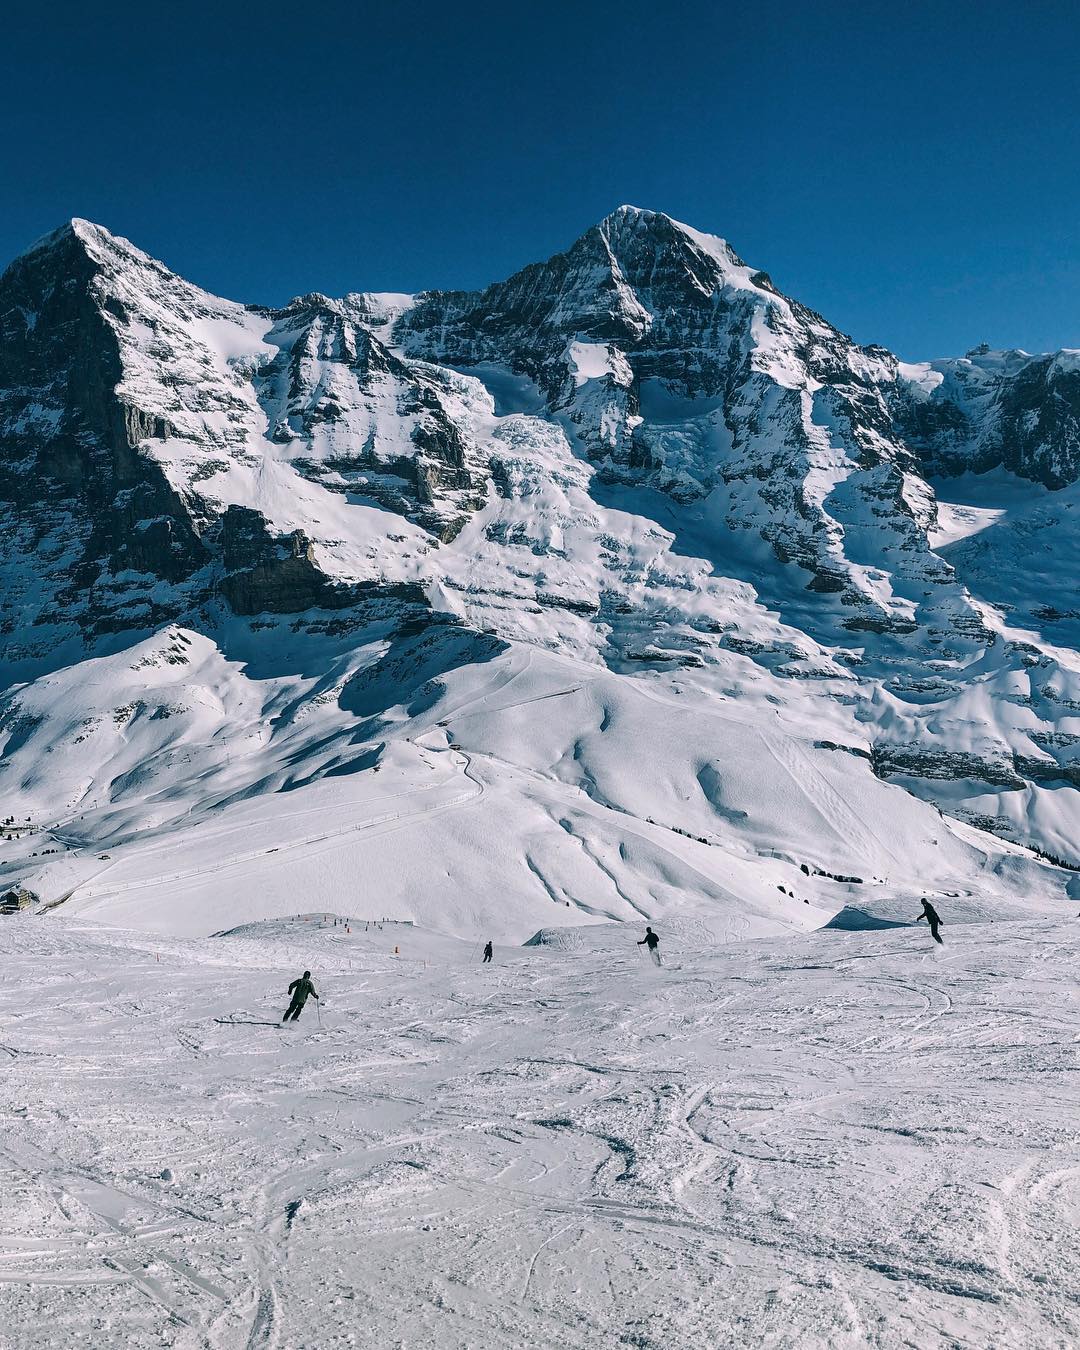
x,y
653,251
77,237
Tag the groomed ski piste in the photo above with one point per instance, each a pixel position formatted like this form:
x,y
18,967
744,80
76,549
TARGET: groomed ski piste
x,y
842,1138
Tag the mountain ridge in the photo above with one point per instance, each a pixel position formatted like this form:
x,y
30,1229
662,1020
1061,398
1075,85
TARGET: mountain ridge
x,y
637,455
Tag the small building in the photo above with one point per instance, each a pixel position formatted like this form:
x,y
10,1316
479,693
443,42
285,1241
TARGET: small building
x,y
15,899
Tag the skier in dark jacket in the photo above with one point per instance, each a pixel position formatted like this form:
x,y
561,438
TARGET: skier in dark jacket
x,y
930,914
300,989
651,941
487,952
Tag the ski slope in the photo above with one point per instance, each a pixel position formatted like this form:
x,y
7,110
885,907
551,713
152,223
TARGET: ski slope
x,y
612,594
832,1139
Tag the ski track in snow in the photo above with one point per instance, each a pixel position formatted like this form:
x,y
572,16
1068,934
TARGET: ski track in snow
x,y
838,1139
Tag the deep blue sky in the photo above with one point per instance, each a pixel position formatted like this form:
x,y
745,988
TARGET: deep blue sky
x,y
912,170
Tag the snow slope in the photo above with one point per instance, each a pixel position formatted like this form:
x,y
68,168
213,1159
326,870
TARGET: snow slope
x,y
842,1139
483,793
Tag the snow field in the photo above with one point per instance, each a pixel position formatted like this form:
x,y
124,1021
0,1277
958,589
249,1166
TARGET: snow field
x,y
492,798
836,1139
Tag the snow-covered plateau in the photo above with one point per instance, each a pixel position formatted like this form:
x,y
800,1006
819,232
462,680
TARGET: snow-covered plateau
x,y
624,591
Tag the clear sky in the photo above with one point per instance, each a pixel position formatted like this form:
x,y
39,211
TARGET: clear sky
x,y
912,170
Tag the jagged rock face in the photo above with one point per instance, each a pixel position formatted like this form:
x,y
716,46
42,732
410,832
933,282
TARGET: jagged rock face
x,y
101,521
990,410
136,410
637,297
268,575
676,365
356,419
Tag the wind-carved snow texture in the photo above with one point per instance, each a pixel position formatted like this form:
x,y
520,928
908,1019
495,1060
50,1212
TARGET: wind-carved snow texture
x,y
844,1139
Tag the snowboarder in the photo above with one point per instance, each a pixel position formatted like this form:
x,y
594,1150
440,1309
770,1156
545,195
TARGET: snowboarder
x,y
299,989
487,952
651,941
931,915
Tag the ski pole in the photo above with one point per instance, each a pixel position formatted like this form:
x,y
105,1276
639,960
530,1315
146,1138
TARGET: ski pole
x,y
318,1009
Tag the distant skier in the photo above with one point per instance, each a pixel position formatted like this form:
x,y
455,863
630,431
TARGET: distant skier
x,y
931,915
651,941
299,989
487,953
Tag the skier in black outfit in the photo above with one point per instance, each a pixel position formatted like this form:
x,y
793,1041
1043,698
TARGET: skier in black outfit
x,y
487,953
300,989
651,941
930,914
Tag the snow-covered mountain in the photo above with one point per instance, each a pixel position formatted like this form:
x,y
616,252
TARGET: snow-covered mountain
x,y
989,410
713,600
